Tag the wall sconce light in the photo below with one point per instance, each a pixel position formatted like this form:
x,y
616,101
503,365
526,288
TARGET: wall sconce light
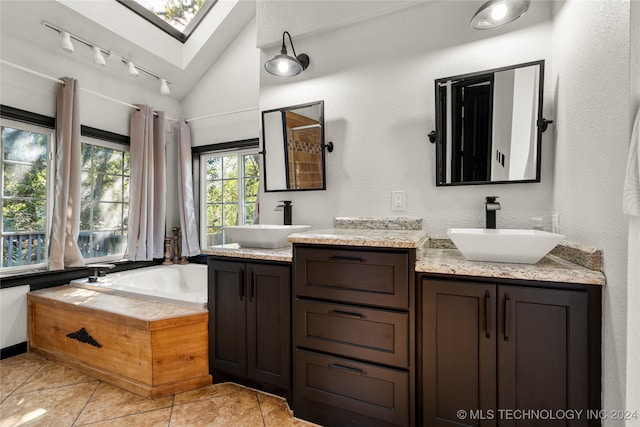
x,y
285,65
65,42
498,12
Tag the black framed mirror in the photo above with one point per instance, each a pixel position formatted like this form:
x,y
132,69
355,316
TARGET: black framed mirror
x,y
293,148
489,126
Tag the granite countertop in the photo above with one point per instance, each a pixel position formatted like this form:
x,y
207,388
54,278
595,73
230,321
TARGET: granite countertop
x,y
551,268
234,250
138,308
567,263
363,237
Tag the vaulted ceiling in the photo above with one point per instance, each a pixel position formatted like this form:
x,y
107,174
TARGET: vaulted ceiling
x,y
113,27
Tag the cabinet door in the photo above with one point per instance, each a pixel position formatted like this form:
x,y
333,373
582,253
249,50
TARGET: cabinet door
x,y
227,313
459,353
269,324
542,351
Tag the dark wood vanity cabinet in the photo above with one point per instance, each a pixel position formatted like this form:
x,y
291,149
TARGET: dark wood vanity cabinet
x,y
354,357
491,347
250,322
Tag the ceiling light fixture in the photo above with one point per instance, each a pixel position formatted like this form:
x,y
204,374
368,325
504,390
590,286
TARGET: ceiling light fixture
x,y
285,65
133,71
164,87
65,42
498,12
98,58
99,54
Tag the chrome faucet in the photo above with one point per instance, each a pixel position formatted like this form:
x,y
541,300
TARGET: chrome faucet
x,y
287,211
491,206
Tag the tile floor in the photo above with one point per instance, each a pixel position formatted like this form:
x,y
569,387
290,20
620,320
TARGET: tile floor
x,y
38,392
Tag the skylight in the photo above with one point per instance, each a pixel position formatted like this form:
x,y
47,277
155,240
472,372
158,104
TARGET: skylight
x,y
178,18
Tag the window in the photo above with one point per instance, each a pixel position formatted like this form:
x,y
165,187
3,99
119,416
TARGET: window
x,y
105,200
229,193
26,212
178,18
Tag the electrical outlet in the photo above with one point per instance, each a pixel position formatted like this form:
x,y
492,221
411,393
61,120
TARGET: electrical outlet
x,y
398,200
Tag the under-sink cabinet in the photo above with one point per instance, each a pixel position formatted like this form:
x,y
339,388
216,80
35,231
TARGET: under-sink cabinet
x,y
250,323
353,332
489,348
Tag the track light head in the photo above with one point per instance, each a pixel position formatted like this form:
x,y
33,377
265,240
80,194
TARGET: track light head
x,y
133,71
98,58
65,42
164,87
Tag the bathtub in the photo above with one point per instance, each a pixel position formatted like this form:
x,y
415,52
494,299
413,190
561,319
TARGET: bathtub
x,y
184,285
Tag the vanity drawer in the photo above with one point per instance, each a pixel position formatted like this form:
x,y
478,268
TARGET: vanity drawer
x,y
355,276
380,336
369,390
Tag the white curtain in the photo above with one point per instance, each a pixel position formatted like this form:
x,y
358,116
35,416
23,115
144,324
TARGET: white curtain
x,y
147,186
65,226
190,245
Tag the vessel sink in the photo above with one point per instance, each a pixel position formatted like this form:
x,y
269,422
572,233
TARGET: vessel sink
x,y
504,245
263,235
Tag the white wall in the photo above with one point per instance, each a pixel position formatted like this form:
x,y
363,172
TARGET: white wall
x,y
377,80
633,275
25,91
231,84
591,82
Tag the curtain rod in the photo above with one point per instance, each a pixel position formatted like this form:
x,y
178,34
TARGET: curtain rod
x,y
57,80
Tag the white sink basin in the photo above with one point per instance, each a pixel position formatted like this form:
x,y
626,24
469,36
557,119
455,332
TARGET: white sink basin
x,y
263,235
504,245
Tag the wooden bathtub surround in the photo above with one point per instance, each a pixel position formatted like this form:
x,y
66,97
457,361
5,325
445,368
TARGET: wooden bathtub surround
x,y
149,348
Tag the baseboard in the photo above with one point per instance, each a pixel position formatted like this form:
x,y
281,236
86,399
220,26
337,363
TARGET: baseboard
x,y
13,350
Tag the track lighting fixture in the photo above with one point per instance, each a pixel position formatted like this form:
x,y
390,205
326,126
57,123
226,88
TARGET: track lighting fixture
x,y
498,12
285,65
99,53
65,42
98,59
164,87
133,71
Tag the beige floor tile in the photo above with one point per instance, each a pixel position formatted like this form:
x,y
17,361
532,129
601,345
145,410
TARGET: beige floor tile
x,y
52,375
275,411
110,402
13,375
155,418
58,406
21,358
203,393
236,409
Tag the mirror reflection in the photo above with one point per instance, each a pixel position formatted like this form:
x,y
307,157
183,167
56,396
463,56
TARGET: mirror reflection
x,y
487,126
293,141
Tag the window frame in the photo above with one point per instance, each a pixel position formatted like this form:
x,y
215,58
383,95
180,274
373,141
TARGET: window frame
x,y
204,157
51,177
92,140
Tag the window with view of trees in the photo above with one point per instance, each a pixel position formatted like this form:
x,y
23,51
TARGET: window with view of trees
x,y
25,190
230,192
105,199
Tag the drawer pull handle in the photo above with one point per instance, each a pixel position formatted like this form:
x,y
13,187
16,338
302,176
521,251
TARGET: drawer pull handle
x,y
348,313
83,336
507,316
347,368
346,258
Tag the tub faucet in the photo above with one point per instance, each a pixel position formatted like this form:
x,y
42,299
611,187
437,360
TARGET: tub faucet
x,y
98,271
491,206
287,211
